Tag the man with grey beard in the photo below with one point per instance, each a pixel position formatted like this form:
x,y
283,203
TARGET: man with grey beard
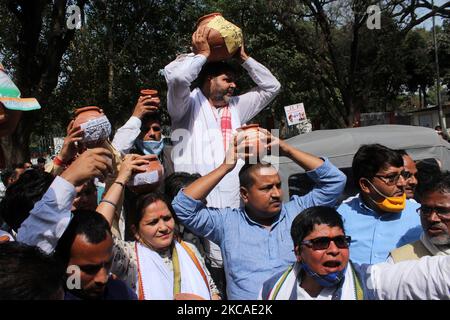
x,y
434,213
204,119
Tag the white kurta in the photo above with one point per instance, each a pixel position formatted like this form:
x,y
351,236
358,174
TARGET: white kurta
x,y
196,129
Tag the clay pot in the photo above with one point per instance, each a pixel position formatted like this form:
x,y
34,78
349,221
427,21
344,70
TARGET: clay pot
x,y
224,37
149,180
149,92
253,137
85,114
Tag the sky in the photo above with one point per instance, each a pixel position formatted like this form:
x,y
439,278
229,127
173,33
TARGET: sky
x,y
428,24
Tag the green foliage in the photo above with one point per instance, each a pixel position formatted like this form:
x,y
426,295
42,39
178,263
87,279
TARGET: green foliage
x,y
329,61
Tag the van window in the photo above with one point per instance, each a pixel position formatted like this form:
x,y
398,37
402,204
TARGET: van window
x,y
300,184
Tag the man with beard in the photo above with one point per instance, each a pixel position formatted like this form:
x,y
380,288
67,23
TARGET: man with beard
x,y
253,237
209,115
410,174
380,218
434,214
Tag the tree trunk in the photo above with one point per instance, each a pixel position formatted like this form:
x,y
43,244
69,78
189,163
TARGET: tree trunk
x,y
38,66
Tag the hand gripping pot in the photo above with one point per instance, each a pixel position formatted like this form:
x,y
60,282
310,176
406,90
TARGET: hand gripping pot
x,y
254,140
94,123
224,37
150,92
149,180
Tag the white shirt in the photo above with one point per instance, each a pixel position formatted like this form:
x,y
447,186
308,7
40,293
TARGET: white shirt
x,y
49,217
198,142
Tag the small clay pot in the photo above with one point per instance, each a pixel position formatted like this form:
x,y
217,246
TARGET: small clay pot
x,y
149,92
85,114
217,44
154,165
253,135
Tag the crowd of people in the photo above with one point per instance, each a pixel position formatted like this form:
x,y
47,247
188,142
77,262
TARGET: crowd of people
x,y
208,223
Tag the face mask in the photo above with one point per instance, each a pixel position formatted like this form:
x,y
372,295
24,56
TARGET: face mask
x,y
390,204
328,280
150,146
96,131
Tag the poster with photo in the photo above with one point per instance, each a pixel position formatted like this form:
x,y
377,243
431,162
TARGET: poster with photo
x,y
295,113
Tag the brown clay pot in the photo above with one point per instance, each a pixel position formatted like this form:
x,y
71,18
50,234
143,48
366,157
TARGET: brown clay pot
x,y
149,92
85,114
219,50
154,165
253,135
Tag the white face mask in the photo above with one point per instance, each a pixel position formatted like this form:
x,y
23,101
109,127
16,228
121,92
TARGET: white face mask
x,y
96,131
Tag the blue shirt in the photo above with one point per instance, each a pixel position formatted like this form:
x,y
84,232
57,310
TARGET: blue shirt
x,y
374,235
252,253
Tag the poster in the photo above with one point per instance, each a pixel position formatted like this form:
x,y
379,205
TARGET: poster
x,y
295,113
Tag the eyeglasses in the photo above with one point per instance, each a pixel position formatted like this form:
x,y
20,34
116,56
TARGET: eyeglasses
x,y
443,213
322,243
392,179
156,129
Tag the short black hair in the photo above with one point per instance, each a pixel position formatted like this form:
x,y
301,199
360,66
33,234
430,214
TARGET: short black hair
x,y
428,171
6,174
304,223
143,202
155,116
214,69
21,196
27,273
176,181
245,177
370,158
402,152
90,224
436,181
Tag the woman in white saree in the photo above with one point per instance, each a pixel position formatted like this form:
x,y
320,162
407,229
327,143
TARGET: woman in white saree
x,y
157,266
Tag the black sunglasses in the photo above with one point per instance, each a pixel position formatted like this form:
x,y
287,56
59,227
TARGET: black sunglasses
x,y
322,243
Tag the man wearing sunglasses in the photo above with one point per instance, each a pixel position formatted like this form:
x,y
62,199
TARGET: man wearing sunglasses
x,y
323,270
434,214
380,218
254,238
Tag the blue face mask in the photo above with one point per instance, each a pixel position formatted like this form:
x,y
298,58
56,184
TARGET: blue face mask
x,y
328,280
150,146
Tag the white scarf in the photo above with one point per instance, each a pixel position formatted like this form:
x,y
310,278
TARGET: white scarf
x,y
292,283
435,251
157,278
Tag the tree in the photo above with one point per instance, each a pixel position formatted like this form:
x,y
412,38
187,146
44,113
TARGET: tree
x,y
36,38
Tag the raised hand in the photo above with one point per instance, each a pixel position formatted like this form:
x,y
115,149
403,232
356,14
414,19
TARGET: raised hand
x,y
145,105
132,163
200,43
69,148
240,54
93,163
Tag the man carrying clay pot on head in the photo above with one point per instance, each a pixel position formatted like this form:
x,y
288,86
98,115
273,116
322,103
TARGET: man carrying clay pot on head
x,y
204,119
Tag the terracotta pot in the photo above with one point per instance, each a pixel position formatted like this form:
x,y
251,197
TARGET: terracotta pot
x,y
85,114
253,137
224,37
149,180
149,92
